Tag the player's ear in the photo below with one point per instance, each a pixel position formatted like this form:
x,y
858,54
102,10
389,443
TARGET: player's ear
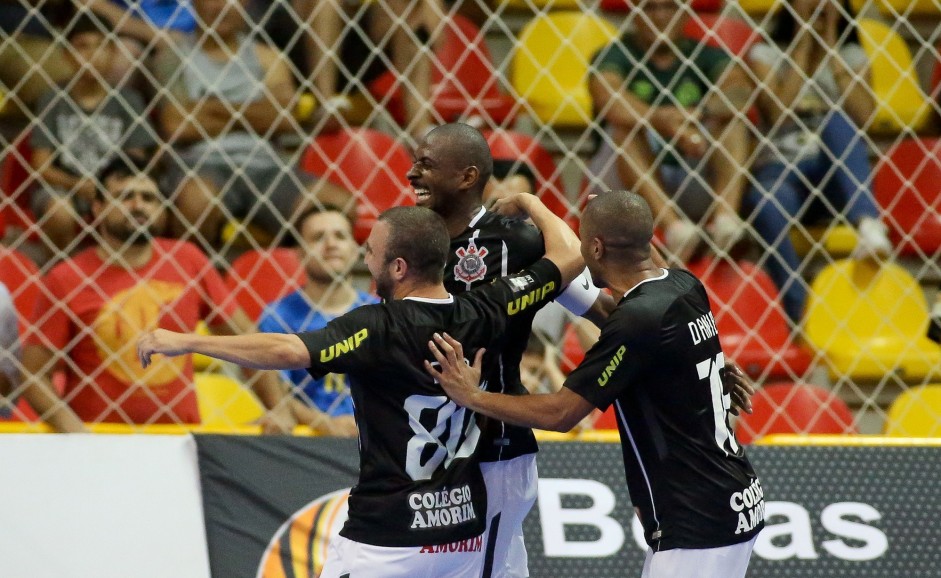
x,y
398,268
597,248
470,177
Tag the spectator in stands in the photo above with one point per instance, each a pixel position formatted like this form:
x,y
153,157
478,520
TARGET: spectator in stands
x,y
229,100
31,61
130,281
79,129
669,106
541,372
327,247
342,57
509,177
813,95
9,352
144,27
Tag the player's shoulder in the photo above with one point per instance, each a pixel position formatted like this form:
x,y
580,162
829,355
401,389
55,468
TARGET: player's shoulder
x,y
511,230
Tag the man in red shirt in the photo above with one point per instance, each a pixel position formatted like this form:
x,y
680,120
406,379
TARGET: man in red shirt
x,y
96,303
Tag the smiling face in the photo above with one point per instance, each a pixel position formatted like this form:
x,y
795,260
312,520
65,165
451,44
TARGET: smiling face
x,y
439,181
327,246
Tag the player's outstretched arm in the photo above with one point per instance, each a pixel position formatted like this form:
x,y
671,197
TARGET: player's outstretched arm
x,y
257,351
562,244
560,411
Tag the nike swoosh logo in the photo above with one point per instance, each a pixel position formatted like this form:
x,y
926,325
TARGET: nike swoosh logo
x,y
585,285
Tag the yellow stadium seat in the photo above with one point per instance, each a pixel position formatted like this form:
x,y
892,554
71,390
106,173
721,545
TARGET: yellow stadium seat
x,y
869,321
758,7
835,240
550,66
545,4
916,413
902,7
900,102
224,402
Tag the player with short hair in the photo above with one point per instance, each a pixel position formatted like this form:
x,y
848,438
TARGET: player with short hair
x,y
658,361
453,165
420,486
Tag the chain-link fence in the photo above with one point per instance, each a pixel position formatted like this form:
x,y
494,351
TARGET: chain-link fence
x,y
786,148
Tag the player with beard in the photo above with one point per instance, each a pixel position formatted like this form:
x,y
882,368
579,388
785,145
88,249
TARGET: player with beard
x,y
420,488
452,166
96,301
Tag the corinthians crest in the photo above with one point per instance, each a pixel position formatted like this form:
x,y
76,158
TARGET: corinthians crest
x,y
470,265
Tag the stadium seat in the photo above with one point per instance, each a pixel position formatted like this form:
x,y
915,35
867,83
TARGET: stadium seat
x,y
833,239
529,5
892,8
907,184
731,34
368,162
701,6
869,321
224,402
259,277
794,408
21,276
14,190
550,66
512,145
464,82
900,102
753,328
758,7
915,413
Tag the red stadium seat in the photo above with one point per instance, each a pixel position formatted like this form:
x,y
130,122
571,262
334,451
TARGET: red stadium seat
x,y
794,408
14,191
572,351
696,5
512,145
259,277
369,163
464,81
907,185
752,325
732,34
21,276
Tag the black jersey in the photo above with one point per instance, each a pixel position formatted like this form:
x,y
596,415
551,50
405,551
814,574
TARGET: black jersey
x,y
492,247
419,481
658,360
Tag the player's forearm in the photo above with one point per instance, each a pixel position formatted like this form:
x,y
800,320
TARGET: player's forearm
x,y
562,244
255,351
540,411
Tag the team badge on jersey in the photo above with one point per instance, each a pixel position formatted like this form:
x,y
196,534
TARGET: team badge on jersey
x,y
470,265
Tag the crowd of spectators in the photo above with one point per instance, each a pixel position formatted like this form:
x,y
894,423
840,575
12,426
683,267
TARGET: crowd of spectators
x,y
203,93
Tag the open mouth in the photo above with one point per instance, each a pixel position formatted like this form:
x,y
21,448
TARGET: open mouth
x,y
422,194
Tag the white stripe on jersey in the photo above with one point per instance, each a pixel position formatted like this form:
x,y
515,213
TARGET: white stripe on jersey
x,y
643,470
505,261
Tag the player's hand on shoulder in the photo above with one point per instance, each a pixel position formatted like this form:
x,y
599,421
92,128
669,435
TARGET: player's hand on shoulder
x,y
460,381
158,341
516,206
739,386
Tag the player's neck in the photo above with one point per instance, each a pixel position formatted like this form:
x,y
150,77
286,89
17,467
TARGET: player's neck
x,y
421,291
629,277
331,297
461,218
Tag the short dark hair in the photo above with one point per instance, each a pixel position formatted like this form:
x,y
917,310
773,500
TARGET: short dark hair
x,y
295,236
85,22
125,166
622,218
467,146
420,237
505,168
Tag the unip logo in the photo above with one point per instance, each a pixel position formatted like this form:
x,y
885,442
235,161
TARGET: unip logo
x,y
299,547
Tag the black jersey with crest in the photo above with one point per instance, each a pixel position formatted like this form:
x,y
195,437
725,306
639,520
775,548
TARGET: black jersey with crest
x,y
419,482
491,247
658,360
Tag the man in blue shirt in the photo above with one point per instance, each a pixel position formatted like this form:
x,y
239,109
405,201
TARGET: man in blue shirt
x,y
327,247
